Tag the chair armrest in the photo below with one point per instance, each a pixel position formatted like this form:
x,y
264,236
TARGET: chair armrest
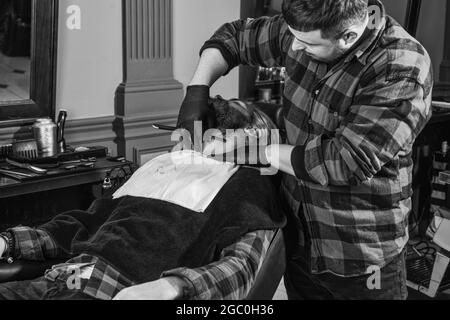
x,y
272,269
24,270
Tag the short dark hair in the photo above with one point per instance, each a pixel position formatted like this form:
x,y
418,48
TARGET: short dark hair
x,y
332,17
236,114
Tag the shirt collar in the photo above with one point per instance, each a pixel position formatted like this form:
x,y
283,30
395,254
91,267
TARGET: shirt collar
x,y
374,30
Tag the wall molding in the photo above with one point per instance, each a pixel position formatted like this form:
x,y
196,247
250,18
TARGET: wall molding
x,y
148,82
9,134
144,154
444,74
136,133
112,132
148,93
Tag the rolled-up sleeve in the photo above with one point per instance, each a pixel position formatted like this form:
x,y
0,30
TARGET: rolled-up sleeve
x,y
33,244
387,115
262,41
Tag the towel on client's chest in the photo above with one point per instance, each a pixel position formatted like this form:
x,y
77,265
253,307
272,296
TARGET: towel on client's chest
x,y
143,237
186,178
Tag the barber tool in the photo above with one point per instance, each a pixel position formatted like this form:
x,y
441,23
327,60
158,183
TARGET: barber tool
x,y
5,150
91,159
117,159
26,166
60,126
16,174
78,165
163,127
25,149
45,134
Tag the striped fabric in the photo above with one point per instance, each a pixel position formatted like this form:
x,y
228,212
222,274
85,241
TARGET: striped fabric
x,y
229,278
353,126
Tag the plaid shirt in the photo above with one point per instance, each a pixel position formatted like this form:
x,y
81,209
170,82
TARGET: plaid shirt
x,y
230,277
353,125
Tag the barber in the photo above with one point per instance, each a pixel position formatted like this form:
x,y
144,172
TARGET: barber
x,y
357,94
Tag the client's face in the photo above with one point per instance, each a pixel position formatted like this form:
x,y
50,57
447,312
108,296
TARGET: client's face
x,y
236,129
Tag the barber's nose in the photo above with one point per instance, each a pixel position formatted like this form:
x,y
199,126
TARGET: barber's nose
x,y
297,45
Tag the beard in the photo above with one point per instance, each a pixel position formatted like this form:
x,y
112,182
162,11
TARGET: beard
x,y
331,58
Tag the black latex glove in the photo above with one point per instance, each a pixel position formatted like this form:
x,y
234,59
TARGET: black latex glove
x,y
195,107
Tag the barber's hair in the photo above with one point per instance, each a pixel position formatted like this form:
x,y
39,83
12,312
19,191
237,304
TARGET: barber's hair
x,y
236,114
331,17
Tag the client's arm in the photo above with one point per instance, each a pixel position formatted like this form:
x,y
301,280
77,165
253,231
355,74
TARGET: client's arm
x,y
231,277
30,244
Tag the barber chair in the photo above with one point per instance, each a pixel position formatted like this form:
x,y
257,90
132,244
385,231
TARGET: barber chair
x,y
24,270
264,287
265,283
271,272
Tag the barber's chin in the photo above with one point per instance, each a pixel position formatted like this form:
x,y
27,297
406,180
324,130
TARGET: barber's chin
x,y
316,58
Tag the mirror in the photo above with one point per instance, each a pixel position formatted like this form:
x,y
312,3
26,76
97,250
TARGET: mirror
x,y
31,79
15,45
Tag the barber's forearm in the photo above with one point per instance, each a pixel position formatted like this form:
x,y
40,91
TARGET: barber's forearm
x,y
279,156
212,66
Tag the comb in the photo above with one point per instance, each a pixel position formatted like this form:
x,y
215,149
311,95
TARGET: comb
x,y
26,149
5,150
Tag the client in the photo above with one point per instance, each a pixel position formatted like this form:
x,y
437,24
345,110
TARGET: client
x,y
183,227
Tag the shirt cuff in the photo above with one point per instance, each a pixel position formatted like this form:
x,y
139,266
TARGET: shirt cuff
x,y
27,244
298,163
196,289
308,162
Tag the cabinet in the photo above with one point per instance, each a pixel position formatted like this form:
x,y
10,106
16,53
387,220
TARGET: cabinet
x,y
35,201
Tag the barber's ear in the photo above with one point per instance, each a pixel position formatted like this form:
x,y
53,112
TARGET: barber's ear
x,y
349,37
251,132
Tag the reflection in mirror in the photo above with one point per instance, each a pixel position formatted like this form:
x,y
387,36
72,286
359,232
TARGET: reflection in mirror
x,y
15,44
41,43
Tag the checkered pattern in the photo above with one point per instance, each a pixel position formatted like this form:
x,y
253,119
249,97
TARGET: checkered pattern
x,y
33,244
439,189
353,125
104,283
232,276
229,278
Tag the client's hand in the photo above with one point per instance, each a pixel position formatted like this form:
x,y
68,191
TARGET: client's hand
x,y
241,148
169,288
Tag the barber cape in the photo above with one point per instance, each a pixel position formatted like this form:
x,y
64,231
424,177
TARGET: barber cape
x,y
186,178
142,237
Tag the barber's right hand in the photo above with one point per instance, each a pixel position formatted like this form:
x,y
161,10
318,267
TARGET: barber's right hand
x,y
195,107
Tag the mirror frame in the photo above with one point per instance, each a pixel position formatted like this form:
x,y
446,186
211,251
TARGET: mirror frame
x,y
44,38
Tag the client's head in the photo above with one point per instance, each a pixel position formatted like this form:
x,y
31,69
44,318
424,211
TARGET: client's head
x,y
235,114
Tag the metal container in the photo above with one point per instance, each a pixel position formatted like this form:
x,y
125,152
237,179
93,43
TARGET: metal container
x,y
45,134
264,94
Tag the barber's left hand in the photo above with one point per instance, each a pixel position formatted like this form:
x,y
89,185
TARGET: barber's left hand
x,y
239,148
169,288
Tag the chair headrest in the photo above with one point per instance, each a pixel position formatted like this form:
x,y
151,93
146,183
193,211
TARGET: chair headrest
x,y
273,111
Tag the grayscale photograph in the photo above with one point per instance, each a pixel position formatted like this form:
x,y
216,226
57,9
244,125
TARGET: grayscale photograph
x,y
253,152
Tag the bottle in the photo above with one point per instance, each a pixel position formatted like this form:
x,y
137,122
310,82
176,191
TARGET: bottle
x,y
45,134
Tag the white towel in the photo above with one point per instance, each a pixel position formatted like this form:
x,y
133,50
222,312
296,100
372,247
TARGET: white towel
x,y
186,178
